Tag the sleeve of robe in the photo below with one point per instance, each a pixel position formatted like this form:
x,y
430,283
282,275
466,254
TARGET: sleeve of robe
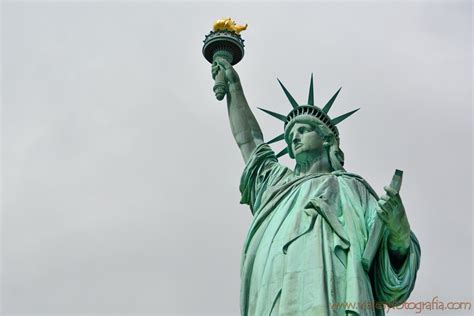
x,y
392,286
261,172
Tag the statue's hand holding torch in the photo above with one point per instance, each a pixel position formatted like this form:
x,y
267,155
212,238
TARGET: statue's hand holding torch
x,y
224,75
223,47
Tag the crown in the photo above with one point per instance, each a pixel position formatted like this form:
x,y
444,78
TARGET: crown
x,y
309,111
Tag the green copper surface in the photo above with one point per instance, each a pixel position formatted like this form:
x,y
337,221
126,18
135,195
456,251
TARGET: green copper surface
x,y
288,95
321,241
281,117
328,105
223,44
276,139
311,92
341,118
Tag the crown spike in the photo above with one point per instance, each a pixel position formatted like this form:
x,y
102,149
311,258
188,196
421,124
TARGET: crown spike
x,y
328,105
277,115
282,153
277,139
294,104
341,118
311,92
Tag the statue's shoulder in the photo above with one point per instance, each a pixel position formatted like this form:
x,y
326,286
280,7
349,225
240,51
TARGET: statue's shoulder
x,y
353,177
345,174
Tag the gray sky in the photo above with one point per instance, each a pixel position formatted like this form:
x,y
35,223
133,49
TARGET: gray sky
x,y
120,173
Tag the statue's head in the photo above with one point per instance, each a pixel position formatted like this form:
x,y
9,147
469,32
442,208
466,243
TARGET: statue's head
x,y
322,136
307,136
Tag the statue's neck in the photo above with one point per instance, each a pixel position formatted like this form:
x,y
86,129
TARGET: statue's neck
x,y
313,165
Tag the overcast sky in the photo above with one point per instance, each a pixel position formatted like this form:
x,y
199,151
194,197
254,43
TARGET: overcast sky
x,y
120,173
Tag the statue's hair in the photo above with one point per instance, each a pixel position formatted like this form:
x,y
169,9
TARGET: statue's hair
x,y
330,141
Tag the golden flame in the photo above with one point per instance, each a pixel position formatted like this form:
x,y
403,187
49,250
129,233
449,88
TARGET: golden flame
x,y
227,24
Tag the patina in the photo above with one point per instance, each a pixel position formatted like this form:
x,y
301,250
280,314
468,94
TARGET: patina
x,y
321,241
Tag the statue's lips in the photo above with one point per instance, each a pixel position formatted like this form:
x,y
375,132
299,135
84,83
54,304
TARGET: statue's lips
x,y
298,146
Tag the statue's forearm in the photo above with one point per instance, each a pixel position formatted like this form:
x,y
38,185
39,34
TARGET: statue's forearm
x,y
243,123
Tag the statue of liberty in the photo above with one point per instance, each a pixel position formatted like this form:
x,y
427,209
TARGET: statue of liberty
x,y
321,241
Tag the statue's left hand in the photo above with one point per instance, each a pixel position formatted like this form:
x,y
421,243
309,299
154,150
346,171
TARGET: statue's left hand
x,y
392,212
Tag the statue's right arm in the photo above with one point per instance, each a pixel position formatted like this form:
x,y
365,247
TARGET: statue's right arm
x,y
243,123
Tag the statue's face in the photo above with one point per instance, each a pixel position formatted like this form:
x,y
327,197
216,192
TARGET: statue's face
x,y
305,140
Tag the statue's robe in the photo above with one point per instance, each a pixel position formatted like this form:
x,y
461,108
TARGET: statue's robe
x,y
302,254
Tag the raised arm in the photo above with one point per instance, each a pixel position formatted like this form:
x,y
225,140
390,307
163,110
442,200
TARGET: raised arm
x,y
243,124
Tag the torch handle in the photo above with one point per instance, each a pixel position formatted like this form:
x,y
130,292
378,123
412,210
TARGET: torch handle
x,y
220,86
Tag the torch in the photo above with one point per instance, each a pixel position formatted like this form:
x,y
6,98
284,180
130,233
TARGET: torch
x,y
224,41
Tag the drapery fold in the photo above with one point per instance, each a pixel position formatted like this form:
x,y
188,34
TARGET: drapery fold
x,y
303,252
